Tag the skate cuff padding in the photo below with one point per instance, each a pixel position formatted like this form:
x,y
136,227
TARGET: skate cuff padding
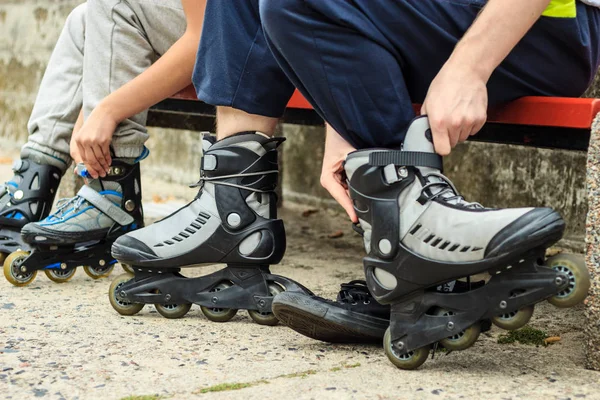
x,y
405,159
106,206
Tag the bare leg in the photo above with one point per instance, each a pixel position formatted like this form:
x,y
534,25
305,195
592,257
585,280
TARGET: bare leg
x,y
231,121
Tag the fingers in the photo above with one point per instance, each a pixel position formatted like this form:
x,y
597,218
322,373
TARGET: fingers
x,y
340,194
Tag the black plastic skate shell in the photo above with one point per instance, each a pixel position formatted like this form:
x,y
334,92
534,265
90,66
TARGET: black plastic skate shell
x,y
249,289
525,283
30,202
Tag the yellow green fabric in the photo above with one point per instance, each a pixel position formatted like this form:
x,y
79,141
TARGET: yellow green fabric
x,y
561,9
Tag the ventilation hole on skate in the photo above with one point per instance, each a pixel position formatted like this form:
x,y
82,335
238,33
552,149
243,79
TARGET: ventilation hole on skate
x,y
416,229
169,242
436,242
177,239
195,225
190,230
136,187
204,215
159,245
476,248
200,220
429,238
444,245
465,249
454,247
33,207
35,183
184,235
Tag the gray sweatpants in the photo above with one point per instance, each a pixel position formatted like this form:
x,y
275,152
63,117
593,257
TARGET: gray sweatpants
x,y
104,44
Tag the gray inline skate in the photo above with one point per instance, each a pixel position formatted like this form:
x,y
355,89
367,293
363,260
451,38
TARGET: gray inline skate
x,y
232,221
82,230
420,233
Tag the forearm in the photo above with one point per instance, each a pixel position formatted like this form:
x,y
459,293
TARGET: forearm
x,y
171,73
497,30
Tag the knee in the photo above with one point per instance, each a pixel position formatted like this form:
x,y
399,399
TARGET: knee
x,y
277,17
77,16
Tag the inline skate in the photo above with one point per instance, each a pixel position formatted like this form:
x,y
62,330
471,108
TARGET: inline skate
x,y
82,230
232,220
26,198
419,232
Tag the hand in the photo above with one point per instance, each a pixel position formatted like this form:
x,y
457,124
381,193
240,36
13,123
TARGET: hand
x,y
456,105
91,143
332,173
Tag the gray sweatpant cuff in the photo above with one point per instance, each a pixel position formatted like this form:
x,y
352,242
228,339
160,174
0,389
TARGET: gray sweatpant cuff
x,y
46,155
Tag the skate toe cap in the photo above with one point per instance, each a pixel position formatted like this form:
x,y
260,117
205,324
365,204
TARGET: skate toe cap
x,y
540,227
129,249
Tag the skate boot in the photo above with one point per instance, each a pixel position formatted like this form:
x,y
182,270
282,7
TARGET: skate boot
x,y
232,220
354,317
419,233
82,230
27,197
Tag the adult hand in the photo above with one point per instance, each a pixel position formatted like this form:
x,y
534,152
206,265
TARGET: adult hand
x,y
91,143
332,174
456,105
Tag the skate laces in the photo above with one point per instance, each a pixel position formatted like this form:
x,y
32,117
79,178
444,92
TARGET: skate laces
x,y
66,206
218,180
354,292
446,191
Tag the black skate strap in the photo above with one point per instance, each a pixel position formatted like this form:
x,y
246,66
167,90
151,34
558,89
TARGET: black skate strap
x,y
106,206
405,159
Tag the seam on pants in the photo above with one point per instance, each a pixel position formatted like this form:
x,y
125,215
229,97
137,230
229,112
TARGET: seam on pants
x,y
112,37
258,30
312,33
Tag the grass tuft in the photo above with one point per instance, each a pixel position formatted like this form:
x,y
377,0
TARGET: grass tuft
x,y
526,335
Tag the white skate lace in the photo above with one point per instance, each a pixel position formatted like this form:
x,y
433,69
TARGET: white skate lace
x,y
217,181
446,191
66,206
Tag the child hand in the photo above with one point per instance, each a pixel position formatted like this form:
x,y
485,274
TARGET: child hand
x,y
92,142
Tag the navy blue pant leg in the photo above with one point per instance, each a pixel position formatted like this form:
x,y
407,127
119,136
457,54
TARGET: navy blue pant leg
x,y
362,63
234,67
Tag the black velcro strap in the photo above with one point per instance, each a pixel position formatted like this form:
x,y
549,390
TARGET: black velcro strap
x,y
405,159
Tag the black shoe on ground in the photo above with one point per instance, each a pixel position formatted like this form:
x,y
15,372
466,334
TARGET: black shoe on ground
x,y
355,317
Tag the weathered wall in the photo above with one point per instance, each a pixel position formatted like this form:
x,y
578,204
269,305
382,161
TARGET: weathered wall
x,y
495,175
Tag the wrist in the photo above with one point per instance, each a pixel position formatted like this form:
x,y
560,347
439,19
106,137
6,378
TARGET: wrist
x,y
465,58
109,111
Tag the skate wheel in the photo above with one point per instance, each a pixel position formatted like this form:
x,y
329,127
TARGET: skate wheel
x,y
267,318
60,275
513,320
98,272
173,311
579,280
461,340
128,268
411,360
12,269
121,305
219,314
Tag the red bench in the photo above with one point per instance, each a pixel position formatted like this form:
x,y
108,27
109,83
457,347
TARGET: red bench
x,y
551,122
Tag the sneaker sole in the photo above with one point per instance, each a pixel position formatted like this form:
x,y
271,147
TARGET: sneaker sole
x,y
316,320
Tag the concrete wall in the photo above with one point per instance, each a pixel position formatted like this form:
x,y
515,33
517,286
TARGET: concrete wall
x,y
495,175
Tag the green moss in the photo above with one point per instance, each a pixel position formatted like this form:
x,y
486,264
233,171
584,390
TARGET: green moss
x,y
224,387
526,335
303,374
144,397
345,366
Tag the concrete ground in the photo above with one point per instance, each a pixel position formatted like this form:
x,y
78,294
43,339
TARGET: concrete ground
x,y
65,341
